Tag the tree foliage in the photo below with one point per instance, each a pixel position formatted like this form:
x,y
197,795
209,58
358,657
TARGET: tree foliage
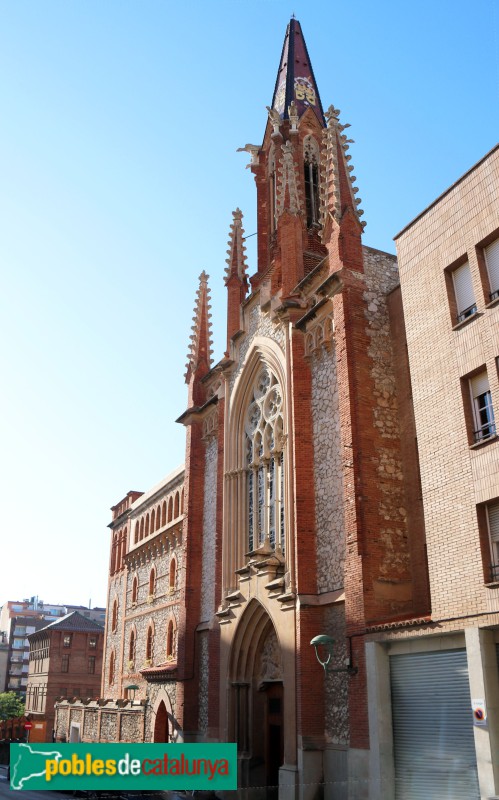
x,y
10,705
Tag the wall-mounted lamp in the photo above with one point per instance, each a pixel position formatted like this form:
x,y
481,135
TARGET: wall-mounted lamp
x,y
326,644
132,688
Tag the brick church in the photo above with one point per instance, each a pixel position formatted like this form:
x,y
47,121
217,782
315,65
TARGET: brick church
x,y
299,509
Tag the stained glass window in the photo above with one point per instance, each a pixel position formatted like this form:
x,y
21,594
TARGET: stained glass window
x,y
265,463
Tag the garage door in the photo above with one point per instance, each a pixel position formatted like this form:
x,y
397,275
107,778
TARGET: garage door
x,y
433,738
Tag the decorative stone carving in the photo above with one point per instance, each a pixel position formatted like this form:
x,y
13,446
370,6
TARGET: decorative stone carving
x,y
253,150
270,659
210,424
287,180
319,336
293,116
275,119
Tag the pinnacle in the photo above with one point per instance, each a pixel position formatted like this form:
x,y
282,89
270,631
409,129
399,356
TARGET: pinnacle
x,y
236,261
200,348
338,190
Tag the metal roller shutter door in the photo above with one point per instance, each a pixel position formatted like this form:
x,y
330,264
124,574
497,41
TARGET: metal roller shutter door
x,y
433,740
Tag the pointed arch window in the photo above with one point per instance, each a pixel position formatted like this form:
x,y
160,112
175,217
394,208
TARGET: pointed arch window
x,y
149,643
111,667
152,583
114,622
171,641
131,648
173,575
118,553
135,590
311,174
265,466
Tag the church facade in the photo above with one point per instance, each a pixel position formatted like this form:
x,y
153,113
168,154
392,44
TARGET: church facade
x,y
293,459
299,510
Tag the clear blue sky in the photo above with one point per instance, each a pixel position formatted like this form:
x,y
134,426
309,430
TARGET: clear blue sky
x,y
120,122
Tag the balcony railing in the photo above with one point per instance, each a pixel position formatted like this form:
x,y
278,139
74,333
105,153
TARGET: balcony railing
x,y
468,312
485,432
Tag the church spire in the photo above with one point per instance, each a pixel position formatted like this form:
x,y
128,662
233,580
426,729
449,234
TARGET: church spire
x,y
199,358
295,78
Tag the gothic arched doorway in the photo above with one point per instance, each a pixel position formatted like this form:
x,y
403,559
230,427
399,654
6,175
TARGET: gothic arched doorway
x,y
161,730
257,698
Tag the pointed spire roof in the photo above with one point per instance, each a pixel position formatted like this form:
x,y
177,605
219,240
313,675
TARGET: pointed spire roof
x,y
200,348
295,78
236,262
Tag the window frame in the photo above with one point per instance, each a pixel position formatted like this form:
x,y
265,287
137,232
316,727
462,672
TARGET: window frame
x,y
265,463
484,426
467,311
493,538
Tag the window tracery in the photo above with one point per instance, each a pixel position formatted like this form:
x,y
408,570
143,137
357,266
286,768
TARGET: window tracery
x,y
264,442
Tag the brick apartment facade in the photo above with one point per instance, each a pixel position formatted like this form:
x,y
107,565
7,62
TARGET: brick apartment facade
x,y
300,509
65,661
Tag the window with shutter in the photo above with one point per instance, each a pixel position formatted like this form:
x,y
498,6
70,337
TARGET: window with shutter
x,y
463,288
483,412
492,261
493,523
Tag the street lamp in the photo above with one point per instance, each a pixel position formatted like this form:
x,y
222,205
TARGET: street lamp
x,y
326,643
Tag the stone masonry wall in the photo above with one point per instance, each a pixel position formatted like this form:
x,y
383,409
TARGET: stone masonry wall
x,y
327,472
164,607
336,684
113,638
381,277
203,682
209,531
170,688
90,725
